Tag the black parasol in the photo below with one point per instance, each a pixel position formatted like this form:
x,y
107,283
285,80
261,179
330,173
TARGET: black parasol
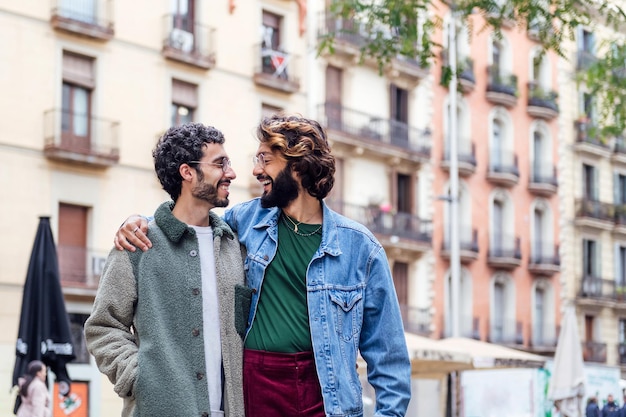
x,y
44,332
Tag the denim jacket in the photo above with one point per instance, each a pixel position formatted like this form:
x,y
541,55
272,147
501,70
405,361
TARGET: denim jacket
x,y
352,307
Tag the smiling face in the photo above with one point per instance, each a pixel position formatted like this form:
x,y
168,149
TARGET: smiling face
x,y
279,186
212,182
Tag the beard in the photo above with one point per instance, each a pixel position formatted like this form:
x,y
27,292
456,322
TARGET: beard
x,y
208,193
285,189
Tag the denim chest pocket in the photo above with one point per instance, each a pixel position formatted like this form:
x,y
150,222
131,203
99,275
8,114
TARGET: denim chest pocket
x,y
348,311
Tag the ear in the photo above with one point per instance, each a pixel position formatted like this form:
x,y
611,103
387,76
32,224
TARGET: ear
x,y
186,172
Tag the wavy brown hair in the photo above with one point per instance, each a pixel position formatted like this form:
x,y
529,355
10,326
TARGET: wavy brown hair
x,y
303,143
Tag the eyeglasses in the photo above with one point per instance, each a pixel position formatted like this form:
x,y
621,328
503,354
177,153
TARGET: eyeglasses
x,y
259,159
225,164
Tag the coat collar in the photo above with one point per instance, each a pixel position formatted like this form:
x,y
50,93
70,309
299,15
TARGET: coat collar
x,y
174,229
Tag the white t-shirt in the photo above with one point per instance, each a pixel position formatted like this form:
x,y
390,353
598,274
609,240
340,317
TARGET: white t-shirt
x,y
210,318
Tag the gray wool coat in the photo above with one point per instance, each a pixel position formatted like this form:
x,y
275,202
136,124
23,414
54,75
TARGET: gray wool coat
x,y
145,330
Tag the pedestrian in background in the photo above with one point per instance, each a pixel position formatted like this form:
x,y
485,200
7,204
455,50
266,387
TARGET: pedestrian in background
x,y
34,392
610,409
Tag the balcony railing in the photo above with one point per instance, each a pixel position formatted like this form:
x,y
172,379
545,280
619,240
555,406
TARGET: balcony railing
x,y
503,87
594,352
542,102
469,326
504,163
620,214
82,138
188,42
585,59
504,251
468,244
587,132
80,266
465,68
621,352
542,261
276,69
416,320
402,225
504,331
545,174
595,210
466,153
597,288
92,19
543,337
341,30
367,127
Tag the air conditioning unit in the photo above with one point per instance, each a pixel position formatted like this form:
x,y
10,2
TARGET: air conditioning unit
x,y
181,40
97,265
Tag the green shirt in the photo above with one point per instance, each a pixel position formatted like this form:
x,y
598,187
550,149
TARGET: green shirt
x,y
281,323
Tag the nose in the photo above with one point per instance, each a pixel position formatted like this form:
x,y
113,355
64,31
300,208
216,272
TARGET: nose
x,y
230,173
257,169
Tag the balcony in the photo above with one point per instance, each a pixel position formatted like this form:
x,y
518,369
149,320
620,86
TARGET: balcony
x,y
594,352
501,88
543,263
350,35
276,69
598,292
468,245
541,102
544,338
398,230
620,218
505,331
188,42
79,138
595,214
469,326
374,135
619,150
80,269
90,19
584,59
465,70
542,181
466,158
416,320
504,252
621,352
503,169
588,140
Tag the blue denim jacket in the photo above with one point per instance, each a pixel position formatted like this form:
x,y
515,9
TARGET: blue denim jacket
x,y
352,307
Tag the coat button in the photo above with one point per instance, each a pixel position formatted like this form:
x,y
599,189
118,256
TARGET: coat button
x,y
195,332
265,257
254,291
205,414
195,291
200,376
193,253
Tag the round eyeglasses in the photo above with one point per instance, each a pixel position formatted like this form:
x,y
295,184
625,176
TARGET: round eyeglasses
x,y
224,165
259,160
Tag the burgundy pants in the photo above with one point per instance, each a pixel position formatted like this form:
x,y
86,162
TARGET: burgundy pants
x,y
281,385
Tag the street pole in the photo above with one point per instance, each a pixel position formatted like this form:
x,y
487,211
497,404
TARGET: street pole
x,y
454,198
455,267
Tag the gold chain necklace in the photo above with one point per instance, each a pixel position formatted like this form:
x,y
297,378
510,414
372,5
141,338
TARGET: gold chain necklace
x,y
295,227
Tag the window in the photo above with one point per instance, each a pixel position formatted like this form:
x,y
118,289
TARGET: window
x,y
72,244
404,201
590,189
538,249
499,312
333,108
273,58
184,102
268,110
399,112
540,317
620,270
401,282
591,267
78,84
538,155
497,158
183,14
588,108
498,226
77,325
587,42
81,10
620,189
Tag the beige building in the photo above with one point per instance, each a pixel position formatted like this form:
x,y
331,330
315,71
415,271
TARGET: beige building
x,y
593,198
88,86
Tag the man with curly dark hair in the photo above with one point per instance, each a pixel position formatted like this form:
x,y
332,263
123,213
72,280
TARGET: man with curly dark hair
x,y
163,321
320,286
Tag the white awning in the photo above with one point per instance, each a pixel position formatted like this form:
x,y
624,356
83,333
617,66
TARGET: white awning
x,y
489,355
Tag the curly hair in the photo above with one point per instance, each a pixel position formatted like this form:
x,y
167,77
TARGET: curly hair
x,y
304,145
180,145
